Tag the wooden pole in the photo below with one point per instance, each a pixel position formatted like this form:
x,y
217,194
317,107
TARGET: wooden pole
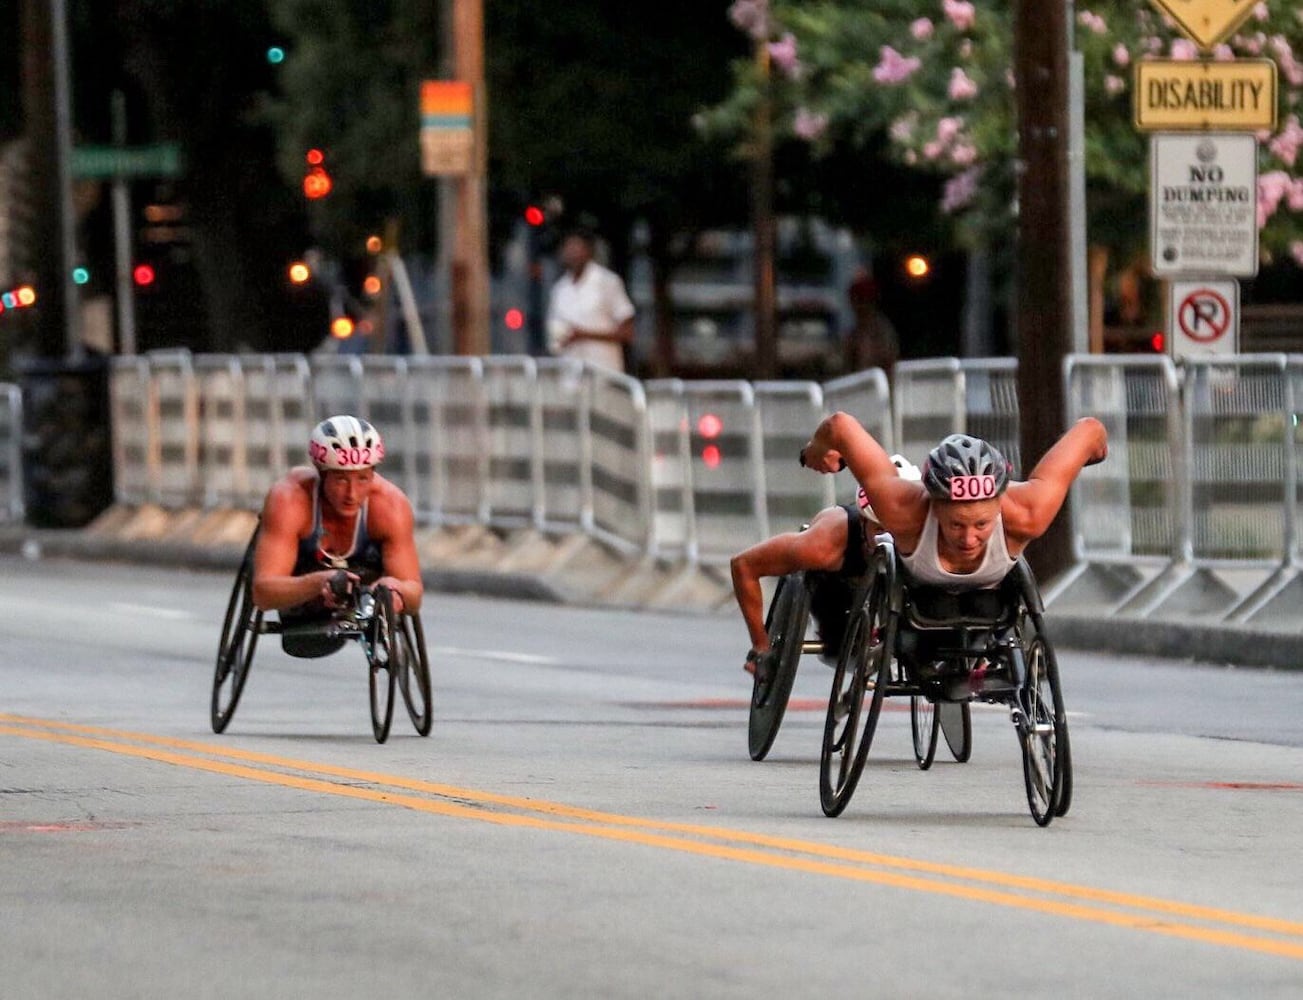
x,y
470,255
762,224
1044,316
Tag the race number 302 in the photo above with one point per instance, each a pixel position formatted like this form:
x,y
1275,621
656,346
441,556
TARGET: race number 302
x,y
972,487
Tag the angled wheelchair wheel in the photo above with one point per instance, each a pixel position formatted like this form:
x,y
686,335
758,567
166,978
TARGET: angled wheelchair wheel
x,y
956,720
385,653
414,674
924,723
865,662
1042,730
789,611
240,629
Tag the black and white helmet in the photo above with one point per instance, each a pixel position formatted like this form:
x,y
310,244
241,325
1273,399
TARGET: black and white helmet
x,y
345,443
965,468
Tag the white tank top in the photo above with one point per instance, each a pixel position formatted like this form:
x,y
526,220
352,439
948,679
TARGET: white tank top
x,y
925,565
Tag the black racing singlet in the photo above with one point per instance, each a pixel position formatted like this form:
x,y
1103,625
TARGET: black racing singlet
x,y
364,557
854,562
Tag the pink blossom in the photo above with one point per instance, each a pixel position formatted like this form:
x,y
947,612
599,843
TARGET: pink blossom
x,y
1183,49
1223,53
962,87
932,150
893,67
1295,198
1252,45
963,154
1272,187
948,128
921,29
809,125
783,55
751,16
911,157
1121,56
1296,251
902,129
1114,85
960,13
1260,12
1093,21
960,190
1287,144
1154,44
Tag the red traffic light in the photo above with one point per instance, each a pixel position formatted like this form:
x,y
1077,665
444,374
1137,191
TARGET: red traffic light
x,y
317,183
534,215
315,157
709,425
514,319
143,275
711,456
1157,342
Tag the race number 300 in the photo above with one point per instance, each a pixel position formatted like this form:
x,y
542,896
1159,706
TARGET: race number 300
x,y
972,487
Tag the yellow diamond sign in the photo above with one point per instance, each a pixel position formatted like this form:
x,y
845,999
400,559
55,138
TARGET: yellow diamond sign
x,y
1206,22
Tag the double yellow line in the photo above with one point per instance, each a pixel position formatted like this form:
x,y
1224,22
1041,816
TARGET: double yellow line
x,y
1226,928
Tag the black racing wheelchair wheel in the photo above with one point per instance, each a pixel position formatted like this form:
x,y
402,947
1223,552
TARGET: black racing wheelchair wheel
x,y
789,611
924,723
384,661
865,659
1043,733
414,674
956,718
240,631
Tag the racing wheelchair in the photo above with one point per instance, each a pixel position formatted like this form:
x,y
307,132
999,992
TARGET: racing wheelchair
x,y
786,623
945,649
393,643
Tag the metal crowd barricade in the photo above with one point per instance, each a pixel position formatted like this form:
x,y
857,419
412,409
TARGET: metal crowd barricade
x,y
562,387
727,468
927,403
865,396
175,414
620,460
11,453
514,487
385,402
673,522
134,452
1236,512
223,468
337,385
991,405
1125,511
449,416
788,413
279,417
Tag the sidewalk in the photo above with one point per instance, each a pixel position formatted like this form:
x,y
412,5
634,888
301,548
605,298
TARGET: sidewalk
x,y
573,569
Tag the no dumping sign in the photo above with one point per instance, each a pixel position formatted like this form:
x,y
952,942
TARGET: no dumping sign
x,y
1203,204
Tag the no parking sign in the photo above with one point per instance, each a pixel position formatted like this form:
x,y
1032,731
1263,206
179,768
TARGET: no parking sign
x,y
1203,316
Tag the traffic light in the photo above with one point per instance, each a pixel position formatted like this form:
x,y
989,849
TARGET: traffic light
x,y
80,276
709,428
534,215
275,55
143,275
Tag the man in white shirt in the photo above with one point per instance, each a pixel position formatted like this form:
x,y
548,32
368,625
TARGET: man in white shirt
x,y
590,315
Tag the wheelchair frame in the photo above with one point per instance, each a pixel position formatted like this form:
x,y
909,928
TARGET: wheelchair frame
x,y
1005,660
786,622
393,643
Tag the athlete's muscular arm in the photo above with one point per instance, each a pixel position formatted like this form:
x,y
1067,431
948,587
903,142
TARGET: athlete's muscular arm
x,y
900,505
395,529
1029,507
275,587
820,547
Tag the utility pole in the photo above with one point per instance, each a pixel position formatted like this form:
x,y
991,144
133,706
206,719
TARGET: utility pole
x,y
762,224
1044,315
463,202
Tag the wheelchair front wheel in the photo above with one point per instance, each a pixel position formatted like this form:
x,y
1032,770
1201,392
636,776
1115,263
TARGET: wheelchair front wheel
x,y
957,727
1042,731
384,661
240,630
849,726
789,611
924,723
414,675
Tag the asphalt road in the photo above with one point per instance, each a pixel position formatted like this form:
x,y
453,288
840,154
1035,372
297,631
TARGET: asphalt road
x,y
584,820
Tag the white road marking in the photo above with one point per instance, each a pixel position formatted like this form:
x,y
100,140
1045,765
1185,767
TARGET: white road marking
x,y
174,614
505,656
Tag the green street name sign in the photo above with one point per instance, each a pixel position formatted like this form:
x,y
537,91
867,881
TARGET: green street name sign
x,y
99,162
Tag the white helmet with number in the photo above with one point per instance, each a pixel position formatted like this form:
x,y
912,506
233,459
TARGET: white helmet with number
x,y
345,443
